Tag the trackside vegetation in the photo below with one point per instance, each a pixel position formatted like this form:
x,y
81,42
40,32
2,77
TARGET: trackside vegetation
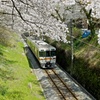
x,y
86,64
17,82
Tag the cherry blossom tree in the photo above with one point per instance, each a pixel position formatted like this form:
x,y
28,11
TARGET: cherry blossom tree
x,y
35,15
89,9
47,16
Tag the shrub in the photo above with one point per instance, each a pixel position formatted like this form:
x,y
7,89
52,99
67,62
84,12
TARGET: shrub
x,y
6,37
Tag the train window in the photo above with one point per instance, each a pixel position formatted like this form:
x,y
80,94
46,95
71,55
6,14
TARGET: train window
x,y
42,54
53,53
48,53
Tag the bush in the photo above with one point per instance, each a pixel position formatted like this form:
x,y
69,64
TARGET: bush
x,y
87,77
6,37
86,69
77,32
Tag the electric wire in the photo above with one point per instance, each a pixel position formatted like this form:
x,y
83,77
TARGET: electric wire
x,y
83,42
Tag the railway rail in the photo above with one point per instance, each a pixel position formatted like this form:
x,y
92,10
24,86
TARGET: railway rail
x,y
62,89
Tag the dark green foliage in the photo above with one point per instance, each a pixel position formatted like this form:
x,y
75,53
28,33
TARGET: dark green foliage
x,y
86,73
88,77
3,90
63,58
77,33
1,50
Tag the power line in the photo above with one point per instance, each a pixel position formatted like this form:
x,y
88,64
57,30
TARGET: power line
x,y
84,42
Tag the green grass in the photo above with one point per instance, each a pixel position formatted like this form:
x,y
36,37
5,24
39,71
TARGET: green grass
x,y
16,80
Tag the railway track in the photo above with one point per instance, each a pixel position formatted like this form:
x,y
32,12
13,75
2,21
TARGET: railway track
x,y
64,92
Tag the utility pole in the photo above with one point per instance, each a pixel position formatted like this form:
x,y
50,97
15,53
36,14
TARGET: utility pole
x,y
71,36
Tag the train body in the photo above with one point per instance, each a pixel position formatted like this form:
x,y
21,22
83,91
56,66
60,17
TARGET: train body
x,y
44,52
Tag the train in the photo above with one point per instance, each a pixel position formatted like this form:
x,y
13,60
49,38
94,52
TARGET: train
x,y
44,52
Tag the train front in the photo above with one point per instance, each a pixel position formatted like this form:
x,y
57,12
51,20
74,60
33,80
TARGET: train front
x,y
48,57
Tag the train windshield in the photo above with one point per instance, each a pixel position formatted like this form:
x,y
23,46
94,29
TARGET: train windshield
x,y
47,53
50,53
42,54
53,53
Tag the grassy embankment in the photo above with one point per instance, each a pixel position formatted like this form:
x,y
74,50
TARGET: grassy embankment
x,y
16,80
